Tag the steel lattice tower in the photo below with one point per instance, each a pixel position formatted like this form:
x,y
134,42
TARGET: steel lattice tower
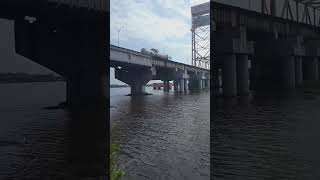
x,y
201,35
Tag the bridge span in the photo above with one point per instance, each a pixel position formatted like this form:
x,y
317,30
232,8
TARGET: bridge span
x,y
137,69
283,46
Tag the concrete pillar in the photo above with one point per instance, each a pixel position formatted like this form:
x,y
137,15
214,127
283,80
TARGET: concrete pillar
x,y
137,78
315,69
229,76
298,70
186,85
86,89
310,70
165,85
242,75
182,86
175,84
289,73
200,84
138,89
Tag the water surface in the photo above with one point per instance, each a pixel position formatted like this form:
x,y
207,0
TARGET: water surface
x,y
162,136
267,137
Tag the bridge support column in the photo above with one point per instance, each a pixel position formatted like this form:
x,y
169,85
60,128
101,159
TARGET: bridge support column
x,y
175,85
242,75
166,86
186,89
229,76
200,84
298,70
137,78
138,89
310,70
289,72
182,85
86,89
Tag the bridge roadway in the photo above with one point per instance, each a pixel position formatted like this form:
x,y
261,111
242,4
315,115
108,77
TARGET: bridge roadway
x,y
283,52
68,37
137,69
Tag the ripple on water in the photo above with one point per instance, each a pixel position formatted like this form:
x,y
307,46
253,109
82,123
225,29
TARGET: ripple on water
x,y
164,136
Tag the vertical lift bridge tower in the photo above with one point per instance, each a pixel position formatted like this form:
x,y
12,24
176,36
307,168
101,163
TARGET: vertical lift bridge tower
x,y
201,35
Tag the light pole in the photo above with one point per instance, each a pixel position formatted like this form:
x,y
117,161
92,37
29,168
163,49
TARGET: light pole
x,y
119,33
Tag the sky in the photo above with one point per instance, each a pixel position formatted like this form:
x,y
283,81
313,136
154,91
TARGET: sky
x,y
161,24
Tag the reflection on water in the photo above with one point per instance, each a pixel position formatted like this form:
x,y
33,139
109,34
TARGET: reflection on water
x,y
162,136
267,137
36,143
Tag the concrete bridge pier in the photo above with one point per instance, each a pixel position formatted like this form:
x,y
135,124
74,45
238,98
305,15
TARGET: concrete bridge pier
x,y
76,50
186,89
182,79
197,81
86,88
137,78
166,85
310,68
207,83
229,76
289,72
200,81
242,75
181,88
298,70
175,85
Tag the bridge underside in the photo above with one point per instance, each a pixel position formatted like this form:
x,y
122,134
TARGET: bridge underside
x,y
137,76
68,41
261,52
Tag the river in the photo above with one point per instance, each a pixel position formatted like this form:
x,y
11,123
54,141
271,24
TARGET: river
x,y
162,136
267,137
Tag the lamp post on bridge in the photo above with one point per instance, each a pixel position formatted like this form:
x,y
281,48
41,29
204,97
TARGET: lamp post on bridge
x,y
119,33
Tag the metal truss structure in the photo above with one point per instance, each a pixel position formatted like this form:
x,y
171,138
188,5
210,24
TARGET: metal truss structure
x,y
201,35
304,11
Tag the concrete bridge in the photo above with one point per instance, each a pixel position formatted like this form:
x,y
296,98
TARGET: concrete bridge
x,y
67,36
137,69
281,41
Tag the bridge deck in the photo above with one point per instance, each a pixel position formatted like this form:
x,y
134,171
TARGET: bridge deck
x,y
119,55
227,16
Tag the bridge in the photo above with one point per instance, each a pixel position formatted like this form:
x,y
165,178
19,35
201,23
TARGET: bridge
x,y
68,37
137,69
272,46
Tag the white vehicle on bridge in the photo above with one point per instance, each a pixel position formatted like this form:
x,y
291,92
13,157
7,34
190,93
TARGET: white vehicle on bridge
x,y
155,53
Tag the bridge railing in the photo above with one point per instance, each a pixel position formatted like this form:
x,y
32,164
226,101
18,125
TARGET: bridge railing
x,y
306,12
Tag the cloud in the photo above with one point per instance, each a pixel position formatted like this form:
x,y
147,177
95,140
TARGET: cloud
x,y
161,23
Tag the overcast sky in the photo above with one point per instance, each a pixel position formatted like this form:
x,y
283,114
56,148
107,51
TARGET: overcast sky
x,y
161,24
